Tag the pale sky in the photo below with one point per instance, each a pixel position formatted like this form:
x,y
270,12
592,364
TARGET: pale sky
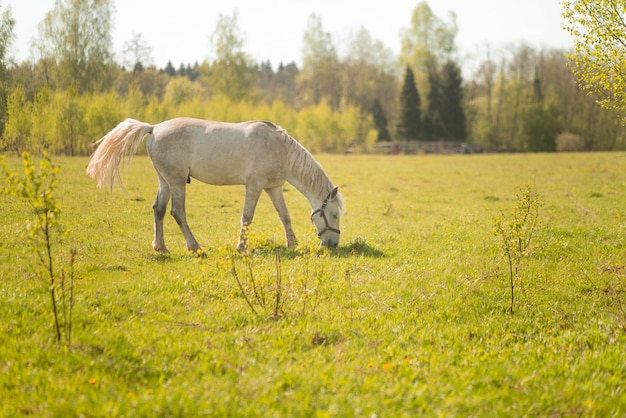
x,y
179,30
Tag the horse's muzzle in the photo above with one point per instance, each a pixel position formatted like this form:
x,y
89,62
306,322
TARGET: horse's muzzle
x,y
331,243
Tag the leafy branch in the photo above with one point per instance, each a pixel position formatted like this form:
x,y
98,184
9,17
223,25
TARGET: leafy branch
x,y
516,233
37,187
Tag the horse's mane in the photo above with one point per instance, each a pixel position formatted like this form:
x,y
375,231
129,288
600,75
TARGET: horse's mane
x,y
307,170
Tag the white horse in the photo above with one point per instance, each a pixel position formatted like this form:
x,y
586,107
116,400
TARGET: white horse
x,y
257,154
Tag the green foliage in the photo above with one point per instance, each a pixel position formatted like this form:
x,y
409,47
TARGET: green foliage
x,y
76,35
180,91
321,134
357,129
427,44
7,23
37,188
133,105
430,39
497,111
63,122
540,127
599,64
525,100
102,112
320,78
231,74
368,72
516,233
17,131
495,107
321,129
70,126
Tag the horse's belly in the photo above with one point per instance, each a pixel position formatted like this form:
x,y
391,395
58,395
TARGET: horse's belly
x,y
224,172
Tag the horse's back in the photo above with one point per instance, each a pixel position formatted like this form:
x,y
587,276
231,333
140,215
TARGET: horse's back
x,y
217,152
212,133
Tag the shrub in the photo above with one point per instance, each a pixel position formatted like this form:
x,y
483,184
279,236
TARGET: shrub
x,y
516,233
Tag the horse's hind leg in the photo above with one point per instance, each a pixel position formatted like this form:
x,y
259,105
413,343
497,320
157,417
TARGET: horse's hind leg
x,y
179,213
160,207
276,194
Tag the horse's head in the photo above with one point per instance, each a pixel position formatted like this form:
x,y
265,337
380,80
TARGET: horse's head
x,y
326,219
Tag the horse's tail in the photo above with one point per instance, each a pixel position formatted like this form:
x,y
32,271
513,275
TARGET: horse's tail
x,y
104,164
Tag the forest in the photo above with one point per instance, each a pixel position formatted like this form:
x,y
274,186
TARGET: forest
x,y
342,98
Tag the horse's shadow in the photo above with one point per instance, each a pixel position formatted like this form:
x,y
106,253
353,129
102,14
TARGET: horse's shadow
x,y
358,247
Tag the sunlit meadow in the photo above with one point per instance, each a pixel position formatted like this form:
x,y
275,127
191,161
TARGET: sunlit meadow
x,y
409,317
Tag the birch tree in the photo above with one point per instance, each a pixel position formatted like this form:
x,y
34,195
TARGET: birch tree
x,y
599,64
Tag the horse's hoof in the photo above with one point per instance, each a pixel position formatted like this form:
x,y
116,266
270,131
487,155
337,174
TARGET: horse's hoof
x,y
198,253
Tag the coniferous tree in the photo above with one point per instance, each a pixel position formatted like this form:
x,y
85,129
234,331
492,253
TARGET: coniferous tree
x,y
432,129
452,115
285,78
265,82
380,120
181,70
169,69
192,72
410,123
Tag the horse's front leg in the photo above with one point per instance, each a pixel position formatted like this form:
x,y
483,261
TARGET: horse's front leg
x,y
249,205
276,194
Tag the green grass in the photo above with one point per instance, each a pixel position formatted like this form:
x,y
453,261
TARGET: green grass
x,y
409,317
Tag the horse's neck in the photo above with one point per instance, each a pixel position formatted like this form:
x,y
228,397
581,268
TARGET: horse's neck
x,y
315,195
305,174
312,182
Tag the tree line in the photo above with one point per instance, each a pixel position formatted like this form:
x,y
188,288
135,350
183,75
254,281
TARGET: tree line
x,y
516,98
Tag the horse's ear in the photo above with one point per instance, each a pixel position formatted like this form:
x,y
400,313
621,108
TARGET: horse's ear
x,y
333,193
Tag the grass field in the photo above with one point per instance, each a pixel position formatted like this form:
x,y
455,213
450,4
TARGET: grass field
x,y
409,317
